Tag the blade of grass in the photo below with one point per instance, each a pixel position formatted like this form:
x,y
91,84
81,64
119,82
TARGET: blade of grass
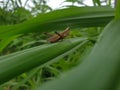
x,y
17,63
60,19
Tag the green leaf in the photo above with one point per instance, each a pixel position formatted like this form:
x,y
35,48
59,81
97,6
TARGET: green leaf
x,y
16,63
100,70
60,19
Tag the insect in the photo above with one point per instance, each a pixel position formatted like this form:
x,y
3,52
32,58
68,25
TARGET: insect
x,y
58,36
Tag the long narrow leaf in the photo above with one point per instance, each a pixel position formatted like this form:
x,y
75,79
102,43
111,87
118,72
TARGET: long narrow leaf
x,y
59,19
17,63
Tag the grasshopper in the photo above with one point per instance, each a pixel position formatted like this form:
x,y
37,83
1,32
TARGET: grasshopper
x,y
58,36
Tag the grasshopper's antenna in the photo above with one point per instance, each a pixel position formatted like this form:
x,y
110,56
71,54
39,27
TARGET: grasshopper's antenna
x,y
67,29
59,34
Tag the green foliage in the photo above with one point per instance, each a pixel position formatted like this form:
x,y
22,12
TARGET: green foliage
x,y
15,11
15,16
59,19
5,17
100,70
40,7
96,3
92,67
117,16
20,15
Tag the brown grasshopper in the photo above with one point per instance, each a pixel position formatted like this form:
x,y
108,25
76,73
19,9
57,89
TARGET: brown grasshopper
x,y
58,36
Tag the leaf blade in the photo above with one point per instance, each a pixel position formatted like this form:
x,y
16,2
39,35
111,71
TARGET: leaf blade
x,y
25,60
